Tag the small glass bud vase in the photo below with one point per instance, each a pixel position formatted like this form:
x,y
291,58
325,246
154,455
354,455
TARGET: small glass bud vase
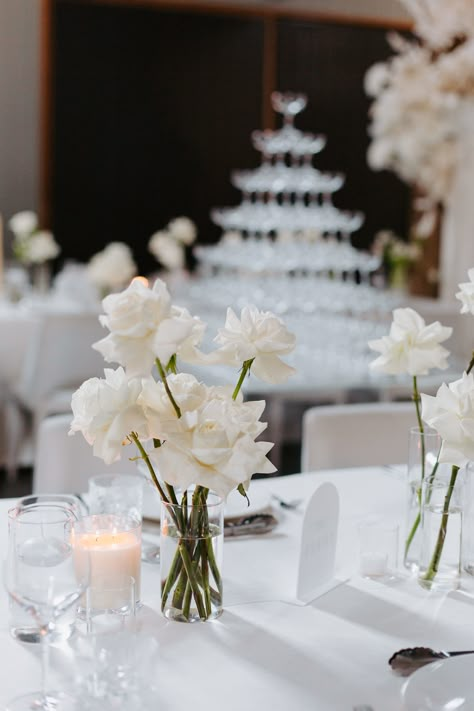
x,y
468,520
423,453
441,527
191,548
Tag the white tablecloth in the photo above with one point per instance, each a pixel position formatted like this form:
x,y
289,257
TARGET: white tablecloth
x,y
265,654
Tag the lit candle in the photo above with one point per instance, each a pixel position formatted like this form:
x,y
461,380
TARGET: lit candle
x,y
141,279
113,548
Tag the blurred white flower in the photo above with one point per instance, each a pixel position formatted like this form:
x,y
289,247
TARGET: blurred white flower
x,y
232,237
42,247
257,335
113,267
106,411
376,79
411,347
167,250
451,414
183,229
24,223
466,294
143,326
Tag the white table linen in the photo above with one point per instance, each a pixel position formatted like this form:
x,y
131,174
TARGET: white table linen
x,y
264,653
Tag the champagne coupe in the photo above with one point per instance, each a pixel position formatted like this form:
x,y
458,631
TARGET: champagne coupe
x,y
41,577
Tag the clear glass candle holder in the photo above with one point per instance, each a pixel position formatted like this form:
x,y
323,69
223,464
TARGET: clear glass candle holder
x,y
112,544
378,549
116,494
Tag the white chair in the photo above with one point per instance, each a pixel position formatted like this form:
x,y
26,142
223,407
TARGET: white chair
x,y
59,359
63,464
356,435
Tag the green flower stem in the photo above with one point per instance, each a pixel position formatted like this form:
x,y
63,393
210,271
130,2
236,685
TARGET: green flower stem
x,y
434,563
162,373
187,562
417,520
471,364
187,601
245,369
173,574
146,458
417,399
205,578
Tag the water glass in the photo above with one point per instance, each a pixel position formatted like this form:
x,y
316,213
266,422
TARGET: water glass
x,y
378,549
468,521
116,494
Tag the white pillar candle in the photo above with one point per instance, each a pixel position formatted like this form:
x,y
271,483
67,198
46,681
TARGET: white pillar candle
x,y
113,555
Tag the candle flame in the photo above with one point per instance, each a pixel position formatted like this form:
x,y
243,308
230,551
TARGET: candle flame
x,y
141,279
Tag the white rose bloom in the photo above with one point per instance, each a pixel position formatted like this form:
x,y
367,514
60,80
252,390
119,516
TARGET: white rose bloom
x,y
106,412
451,414
466,294
167,250
143,326
188,393
258,335
42,247
216,447
113,267
411,347
24,223
183,229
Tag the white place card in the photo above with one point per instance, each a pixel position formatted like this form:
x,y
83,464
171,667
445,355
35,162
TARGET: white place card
x,y
315,575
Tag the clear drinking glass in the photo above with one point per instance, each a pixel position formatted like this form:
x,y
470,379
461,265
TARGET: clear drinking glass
x,y
468,521
40,575
192,536
116,494
378,549
441,527
424,448
22,625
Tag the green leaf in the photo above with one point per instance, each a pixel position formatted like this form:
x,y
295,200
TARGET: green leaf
x,y
243,493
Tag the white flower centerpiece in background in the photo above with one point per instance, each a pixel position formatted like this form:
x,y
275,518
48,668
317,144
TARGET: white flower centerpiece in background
x,y
112,268
196,440
33,247
168,246
414,348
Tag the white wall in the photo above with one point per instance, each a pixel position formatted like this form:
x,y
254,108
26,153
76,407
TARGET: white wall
x,y
19,87
19,99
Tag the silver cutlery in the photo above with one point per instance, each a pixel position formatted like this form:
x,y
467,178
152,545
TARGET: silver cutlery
x,y
293,504
406,661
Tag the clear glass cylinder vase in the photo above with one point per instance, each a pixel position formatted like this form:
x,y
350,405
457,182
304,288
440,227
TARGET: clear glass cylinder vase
x,y
441,531
191,549
423,453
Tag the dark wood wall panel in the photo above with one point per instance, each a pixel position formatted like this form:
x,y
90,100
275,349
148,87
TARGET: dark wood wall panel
x,y
328,63
152,110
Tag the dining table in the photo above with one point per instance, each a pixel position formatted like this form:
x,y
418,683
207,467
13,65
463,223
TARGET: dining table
x,y
268,650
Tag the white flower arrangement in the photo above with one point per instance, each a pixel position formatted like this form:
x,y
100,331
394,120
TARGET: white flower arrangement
x,y
112,268
194,438
168,245
414,348
418,95
207,434
31,245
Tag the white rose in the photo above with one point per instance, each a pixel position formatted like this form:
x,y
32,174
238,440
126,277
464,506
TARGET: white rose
x,y
412,347
183,229
42,247
113,267
216,448
167,250
143,326
466,294
188,393
106,412
451,414
24,223
257,335
376,78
